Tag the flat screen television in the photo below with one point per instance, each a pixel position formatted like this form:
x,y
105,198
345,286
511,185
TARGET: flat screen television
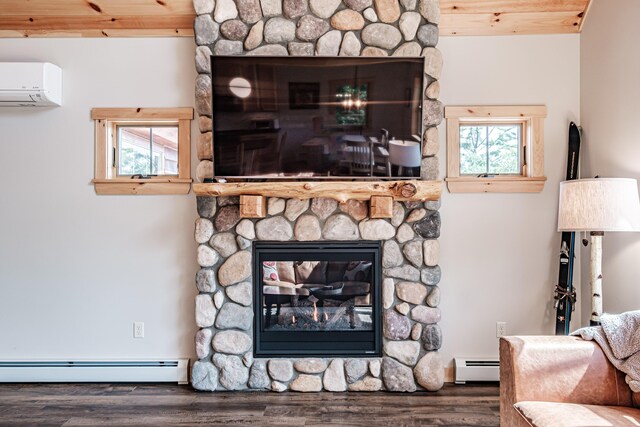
x,y
317,117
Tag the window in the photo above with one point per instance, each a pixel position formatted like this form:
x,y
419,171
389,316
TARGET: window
x,y
491,149
351,105
146,150
142,151
495,149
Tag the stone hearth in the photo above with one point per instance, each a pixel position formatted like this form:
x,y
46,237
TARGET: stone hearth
x,y
410,295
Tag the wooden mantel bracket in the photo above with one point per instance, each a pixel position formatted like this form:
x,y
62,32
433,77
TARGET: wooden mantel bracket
x,y
341,191
381,207
252,206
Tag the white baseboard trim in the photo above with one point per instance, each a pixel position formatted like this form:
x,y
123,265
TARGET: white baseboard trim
x,y
130,371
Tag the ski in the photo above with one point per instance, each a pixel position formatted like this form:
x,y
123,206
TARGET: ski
x,y
565,295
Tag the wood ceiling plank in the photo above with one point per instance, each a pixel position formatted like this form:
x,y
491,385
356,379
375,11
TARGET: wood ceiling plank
x,y
504,6
510,23
102,22
95,33
148,18
96,7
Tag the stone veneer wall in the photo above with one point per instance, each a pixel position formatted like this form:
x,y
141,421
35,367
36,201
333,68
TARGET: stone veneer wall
x,y
410,296
318,27
410,252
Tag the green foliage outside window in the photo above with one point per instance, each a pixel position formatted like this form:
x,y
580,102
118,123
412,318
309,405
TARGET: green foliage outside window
x,y
490,149
352,107
134,161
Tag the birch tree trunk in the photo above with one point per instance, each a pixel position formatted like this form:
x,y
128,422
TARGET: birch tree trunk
x,y
596,276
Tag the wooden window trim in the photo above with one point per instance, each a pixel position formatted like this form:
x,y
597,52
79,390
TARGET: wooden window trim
x,y
532,179
106,120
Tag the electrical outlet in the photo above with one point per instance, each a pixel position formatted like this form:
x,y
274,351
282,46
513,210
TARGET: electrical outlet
x,y
138,329
501,329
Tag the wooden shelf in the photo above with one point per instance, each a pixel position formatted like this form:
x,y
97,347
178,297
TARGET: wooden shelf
x,y
337,190
496,184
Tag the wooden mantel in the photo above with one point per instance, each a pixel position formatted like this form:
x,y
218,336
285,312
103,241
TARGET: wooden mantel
x,y
381,193
338,190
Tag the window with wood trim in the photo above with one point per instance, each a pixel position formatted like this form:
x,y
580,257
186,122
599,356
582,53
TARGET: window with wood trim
x,y
142,150
495,149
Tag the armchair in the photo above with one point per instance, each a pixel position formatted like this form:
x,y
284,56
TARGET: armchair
x,y
562,381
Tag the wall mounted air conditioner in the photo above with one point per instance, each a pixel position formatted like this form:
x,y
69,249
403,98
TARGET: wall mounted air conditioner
x,y
30,84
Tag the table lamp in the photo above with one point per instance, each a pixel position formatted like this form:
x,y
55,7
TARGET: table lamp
x,y
598,205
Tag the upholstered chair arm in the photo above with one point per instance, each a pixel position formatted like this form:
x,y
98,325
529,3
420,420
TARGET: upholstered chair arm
x,y
556,369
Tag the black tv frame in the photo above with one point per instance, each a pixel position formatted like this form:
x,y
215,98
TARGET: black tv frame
x,y
249,178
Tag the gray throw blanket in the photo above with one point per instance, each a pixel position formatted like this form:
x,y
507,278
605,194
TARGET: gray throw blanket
x,y
619,338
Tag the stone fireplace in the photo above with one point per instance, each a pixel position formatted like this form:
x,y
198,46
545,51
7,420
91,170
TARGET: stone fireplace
x,y
409,295
229,307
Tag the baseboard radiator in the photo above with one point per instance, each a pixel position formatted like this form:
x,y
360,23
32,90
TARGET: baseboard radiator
x,y
476,369
84,371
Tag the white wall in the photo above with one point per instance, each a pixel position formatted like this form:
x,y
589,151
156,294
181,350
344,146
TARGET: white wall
x,y
77,269
499,252
610,91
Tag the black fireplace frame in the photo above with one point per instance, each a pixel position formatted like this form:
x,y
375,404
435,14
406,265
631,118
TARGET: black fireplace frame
x,y
304,344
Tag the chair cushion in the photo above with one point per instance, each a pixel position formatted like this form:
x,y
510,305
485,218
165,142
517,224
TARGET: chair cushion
x,y
311,272
278,270
270,270
555,414
285,271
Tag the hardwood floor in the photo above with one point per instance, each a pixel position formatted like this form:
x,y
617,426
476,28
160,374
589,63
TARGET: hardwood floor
x,y
174,405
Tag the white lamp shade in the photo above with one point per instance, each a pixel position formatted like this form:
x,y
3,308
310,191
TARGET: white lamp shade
x,y
599,204
405,153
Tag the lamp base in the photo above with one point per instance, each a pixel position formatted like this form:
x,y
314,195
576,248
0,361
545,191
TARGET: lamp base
x,y
595,264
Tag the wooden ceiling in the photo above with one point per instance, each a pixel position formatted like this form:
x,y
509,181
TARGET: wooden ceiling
x,y
145,18
505,17
96,18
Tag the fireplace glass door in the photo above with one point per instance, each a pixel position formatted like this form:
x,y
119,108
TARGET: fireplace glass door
x,y
317,298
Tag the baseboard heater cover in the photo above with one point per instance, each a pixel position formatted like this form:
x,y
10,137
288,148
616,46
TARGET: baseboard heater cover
x,y
476,369
90,371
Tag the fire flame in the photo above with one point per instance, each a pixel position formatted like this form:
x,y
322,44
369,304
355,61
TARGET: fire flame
x,y
293,319
315,312
326,317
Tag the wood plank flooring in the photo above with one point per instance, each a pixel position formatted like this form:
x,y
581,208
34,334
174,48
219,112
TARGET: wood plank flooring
x,y
174,405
